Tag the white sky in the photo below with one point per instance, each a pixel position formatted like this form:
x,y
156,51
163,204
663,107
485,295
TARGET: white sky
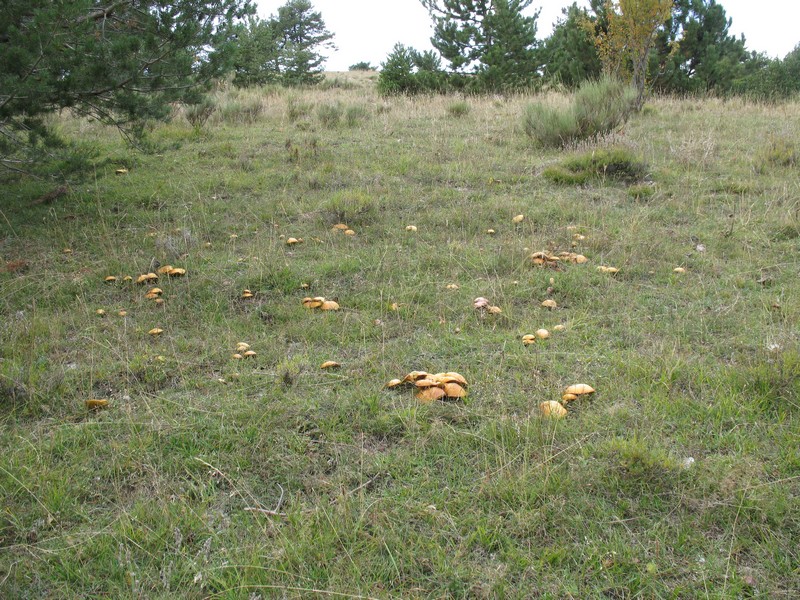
x,y
366,30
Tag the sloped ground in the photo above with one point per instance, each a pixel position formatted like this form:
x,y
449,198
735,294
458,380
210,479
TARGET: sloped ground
x,y
207,476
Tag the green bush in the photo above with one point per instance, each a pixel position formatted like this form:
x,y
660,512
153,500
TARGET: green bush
x,y
597,109
779,151
458,109
550,127
296,109
355,114
618,164
330,114
198,114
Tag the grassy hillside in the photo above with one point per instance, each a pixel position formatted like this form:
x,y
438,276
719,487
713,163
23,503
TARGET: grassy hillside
x,y
211,477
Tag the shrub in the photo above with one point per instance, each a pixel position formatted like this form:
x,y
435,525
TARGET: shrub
x,y
296,110
355,113
362,66
241,109
550,127
198,114
458,109
330,114
779,151
598,108
618,164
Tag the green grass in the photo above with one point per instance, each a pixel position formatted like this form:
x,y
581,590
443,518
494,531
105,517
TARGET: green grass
x,y
377,495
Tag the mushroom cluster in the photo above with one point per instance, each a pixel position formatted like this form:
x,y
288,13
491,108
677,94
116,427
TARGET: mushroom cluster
x,y
243,351
483,305
543,259
320,303
344,229
433,386
556,409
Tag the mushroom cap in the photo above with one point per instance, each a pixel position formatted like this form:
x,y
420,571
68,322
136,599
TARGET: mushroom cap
x,y
549,303
452,286
679,270
291,241
96,402
542,334
480,302
414,376
147,278
551,408
454,390
451,376
426,383
165,269
110,279
341,227
249,354
430,394
329,364
176,272
151,296
247,294
329,305
156,290
411,227
242,346
394,383
237,356
156,331
579,389
495,310
518,218
569,397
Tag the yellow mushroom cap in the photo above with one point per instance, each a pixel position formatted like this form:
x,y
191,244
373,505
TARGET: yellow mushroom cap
x,y
96,402
291,241
110,279
165,269
237,356
579,389
430,394
349,232
679,270
176,272
542,334
249,354
329,364
394,383
454,390
549,303
242,346
551,408
411,227
156,331
329,305
518,219
247,294
569,397
341,227
156,291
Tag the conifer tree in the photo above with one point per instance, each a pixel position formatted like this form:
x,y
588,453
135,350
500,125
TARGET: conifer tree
x,y
490,38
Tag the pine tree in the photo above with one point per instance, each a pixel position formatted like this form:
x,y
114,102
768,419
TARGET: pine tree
x,y
569,54
490,38
117,61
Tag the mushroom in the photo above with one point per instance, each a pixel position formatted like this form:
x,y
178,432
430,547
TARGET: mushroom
x,y
579,389
551,408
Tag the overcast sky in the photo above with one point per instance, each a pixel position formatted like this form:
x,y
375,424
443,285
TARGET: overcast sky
x,y
366,30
